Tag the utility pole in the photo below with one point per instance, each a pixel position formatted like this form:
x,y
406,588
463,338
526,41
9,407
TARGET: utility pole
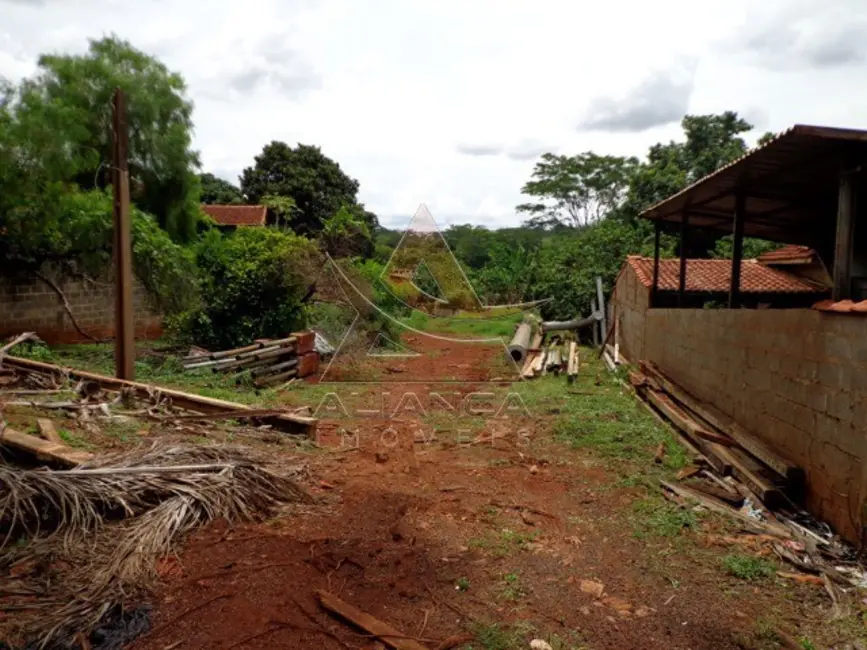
x,y
124,335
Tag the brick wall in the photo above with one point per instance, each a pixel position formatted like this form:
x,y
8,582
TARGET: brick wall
x,y
30,305
797,378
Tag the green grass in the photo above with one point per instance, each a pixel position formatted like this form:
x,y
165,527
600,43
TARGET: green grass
x,y
512,588
493,636
73,440
748,567
653,516
467,324
504,543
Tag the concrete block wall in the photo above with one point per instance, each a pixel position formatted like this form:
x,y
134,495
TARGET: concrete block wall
x,y
797,378
30,305
629,302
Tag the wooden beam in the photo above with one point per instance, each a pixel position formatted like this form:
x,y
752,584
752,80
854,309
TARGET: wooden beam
x,y
44,450
600,297
684,227
845,236
124,326
737,251
654,289
383,631
291,423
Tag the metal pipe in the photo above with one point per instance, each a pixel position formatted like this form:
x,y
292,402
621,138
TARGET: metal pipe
x,y
520,342
578,323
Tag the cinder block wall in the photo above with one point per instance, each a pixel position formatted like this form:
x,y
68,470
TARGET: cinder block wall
x,y
30,305
629,302
797,378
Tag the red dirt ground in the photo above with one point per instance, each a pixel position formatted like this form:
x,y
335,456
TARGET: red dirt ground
x,y
399,523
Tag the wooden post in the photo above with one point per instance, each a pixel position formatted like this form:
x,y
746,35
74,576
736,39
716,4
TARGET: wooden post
x,y
595,325
657,229
844,238
124,341
600,298
681,289
737,250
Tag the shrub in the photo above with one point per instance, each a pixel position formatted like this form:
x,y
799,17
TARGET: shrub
x,y
252,283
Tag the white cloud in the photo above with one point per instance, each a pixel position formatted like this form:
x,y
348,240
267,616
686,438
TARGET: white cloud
x,y
406,94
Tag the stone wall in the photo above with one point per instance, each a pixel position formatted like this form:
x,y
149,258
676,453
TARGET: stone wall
x,y
796,378
31,305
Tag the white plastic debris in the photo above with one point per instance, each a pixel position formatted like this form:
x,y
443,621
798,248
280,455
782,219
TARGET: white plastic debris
x,y
321,344
538,644
751,511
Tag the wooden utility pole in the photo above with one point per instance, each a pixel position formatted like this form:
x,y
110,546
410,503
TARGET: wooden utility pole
x,y
124,339
844,238
737,249
684,233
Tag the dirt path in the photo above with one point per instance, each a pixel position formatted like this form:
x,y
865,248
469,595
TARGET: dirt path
x,y
543,524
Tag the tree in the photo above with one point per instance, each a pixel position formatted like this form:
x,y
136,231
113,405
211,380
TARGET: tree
x,y
71,98
216,191
283,207
315,182
576,190
712,141
346,234
767,136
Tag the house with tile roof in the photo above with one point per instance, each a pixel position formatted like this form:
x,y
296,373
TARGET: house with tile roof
x,y
791,375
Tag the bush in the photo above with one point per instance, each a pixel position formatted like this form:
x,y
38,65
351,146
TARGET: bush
x,y
252,284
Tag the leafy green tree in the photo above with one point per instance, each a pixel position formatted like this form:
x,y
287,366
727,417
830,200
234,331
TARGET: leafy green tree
x,y
254,280
283,207
753,247
346,234
314,181
69,104
216,191
766,137
470,244
576,190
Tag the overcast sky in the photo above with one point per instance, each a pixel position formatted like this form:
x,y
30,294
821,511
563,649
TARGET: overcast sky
x,y
449,102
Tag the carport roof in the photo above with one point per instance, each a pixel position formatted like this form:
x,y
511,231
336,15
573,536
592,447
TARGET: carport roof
x,y
791,185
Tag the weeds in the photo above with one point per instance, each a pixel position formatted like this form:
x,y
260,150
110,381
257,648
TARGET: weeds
x,y
748,567
513,589
658,518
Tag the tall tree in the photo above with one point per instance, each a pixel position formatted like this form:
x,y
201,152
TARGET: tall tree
x,y
73,93
576,190
216,191
314,181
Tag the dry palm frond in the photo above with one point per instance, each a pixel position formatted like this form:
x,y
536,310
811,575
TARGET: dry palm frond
x,y
159,494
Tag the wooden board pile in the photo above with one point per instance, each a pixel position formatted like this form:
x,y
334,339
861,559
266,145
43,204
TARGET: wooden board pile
x,y
268,361
555,356
735,474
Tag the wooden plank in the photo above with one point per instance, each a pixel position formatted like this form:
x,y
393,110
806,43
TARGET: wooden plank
x,y
715,505
750,472
44,450
47,431
715,453
735,500
713,436
717,419
290,423
390,636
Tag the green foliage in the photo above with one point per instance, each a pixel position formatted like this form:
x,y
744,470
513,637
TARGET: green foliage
x,y
314,181
253,281
660,518
346,234
749,567
283,207
576,190
216,191
753,247
69,104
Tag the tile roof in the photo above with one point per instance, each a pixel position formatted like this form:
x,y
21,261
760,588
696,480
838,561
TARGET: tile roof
x,y
788,255
842,306
715,276
236,215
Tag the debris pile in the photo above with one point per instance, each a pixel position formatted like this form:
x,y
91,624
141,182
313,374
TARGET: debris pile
x,y
268,361
94,533
735,474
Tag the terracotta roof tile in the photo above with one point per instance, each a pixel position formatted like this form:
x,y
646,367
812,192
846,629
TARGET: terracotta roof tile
x,y
842,306
788,255
236,215
715,276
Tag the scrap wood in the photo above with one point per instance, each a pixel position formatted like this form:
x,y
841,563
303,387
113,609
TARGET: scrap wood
x,y
290,423
715,505
390,636
660,453
686,472
735,500
42,449
47,431
725,424
754,475
716,454
682,439
224,415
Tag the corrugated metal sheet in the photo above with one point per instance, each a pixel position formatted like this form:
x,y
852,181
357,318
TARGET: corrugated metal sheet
x,y
790,183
